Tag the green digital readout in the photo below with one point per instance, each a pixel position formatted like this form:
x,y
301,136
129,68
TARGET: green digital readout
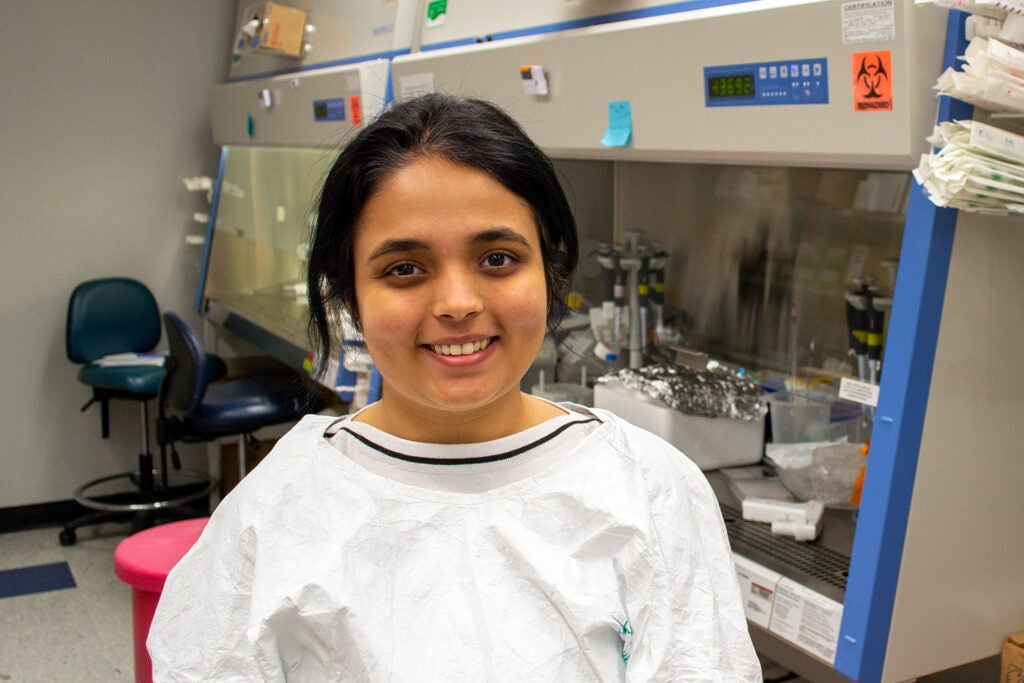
x,y
740,85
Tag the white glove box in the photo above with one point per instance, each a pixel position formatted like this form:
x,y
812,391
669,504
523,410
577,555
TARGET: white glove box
x,y
710,442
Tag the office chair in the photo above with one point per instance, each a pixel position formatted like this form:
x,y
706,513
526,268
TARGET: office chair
x,y
112,325
196,406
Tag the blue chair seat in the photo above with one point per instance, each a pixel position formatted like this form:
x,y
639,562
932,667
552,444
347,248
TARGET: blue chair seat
x,y
244,405
194,407
143,380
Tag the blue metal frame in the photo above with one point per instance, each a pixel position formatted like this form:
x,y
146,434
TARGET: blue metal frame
x,y
899,418
214,206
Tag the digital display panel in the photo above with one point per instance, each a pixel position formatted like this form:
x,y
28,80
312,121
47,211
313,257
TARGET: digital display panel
x,y
782,81
739,85
329,110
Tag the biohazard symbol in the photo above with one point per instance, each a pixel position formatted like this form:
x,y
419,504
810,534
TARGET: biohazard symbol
x,y
872,81
872,76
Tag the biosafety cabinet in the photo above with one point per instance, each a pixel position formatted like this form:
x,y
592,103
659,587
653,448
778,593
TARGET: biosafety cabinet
x,y
767,146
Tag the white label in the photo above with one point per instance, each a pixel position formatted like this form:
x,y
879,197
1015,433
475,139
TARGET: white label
x,y
757,588
868,21
858,392
807,619
415,84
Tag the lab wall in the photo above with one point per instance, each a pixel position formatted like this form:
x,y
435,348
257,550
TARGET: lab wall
x,y
105,111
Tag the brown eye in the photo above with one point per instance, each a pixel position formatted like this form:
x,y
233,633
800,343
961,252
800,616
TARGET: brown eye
x,y
498,260
403,270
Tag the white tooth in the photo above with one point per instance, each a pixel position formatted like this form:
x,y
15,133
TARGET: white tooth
x,y
445,349
467,348
484,344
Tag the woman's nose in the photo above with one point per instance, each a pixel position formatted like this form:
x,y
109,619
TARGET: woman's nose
x,y
457,296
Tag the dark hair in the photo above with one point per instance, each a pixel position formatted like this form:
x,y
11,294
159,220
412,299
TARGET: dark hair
x,y
462,130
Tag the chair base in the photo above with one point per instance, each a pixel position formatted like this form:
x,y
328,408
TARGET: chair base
x,y
137,500
142,506
142,519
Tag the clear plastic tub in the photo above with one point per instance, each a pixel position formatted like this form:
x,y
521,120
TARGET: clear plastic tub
x,y
798,418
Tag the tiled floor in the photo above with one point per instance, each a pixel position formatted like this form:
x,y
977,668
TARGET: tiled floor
x,y
75,635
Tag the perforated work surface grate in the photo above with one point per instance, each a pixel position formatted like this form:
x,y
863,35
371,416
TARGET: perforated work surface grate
x,y
816,567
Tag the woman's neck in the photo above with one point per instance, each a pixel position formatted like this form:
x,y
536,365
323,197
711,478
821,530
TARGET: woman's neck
x,y
512,414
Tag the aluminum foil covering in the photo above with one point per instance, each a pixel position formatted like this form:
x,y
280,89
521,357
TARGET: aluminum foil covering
x,y
712,392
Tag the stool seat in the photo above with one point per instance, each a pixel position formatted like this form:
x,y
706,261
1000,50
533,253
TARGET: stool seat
x,y
134,379
113,327
143,560
247,404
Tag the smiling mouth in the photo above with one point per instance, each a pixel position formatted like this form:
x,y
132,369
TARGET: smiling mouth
x,y
460,349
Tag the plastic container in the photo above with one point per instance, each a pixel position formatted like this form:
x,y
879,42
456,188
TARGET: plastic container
x,y
710,442
797,418
143,561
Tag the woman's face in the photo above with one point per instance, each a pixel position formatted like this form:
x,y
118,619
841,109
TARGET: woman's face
x,y
450,288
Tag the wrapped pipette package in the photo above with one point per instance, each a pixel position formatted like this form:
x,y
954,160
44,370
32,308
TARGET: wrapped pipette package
x,y
712,414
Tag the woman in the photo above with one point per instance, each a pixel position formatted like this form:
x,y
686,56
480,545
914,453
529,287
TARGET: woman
x,y
457,529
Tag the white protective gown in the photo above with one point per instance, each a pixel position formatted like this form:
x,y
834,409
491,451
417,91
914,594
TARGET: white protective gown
x,y
583,549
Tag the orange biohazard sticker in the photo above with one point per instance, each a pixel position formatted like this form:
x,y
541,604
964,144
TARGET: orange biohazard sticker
x,y
872,81
356,107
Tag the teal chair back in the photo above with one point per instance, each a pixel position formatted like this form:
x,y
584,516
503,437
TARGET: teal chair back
x,y
111,315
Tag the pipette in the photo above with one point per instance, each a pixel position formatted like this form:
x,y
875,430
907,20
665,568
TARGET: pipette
x,y
875,324
643,291
658,293
604,253
619,295
857,324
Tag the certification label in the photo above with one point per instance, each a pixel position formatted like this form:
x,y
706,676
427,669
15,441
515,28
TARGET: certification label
x,y
868,21
807,619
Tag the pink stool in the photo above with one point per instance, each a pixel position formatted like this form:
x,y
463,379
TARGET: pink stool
x,y
143,561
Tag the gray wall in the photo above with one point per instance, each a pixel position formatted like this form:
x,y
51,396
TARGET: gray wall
x,y
104,111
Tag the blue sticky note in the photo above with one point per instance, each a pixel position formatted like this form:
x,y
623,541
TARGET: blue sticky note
x,y
620,124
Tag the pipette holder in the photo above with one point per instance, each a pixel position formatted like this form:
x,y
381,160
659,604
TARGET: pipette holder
x,y
637,261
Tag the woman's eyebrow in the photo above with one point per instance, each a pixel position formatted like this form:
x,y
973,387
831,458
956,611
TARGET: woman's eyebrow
x,y
391,246
401,245
500,234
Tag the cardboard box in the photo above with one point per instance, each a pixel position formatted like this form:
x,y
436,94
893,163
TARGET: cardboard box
x,y
1013,659
279,28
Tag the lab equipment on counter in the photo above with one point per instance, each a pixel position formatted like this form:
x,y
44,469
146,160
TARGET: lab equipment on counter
x,y
865,318
632,269
802,521
712,415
